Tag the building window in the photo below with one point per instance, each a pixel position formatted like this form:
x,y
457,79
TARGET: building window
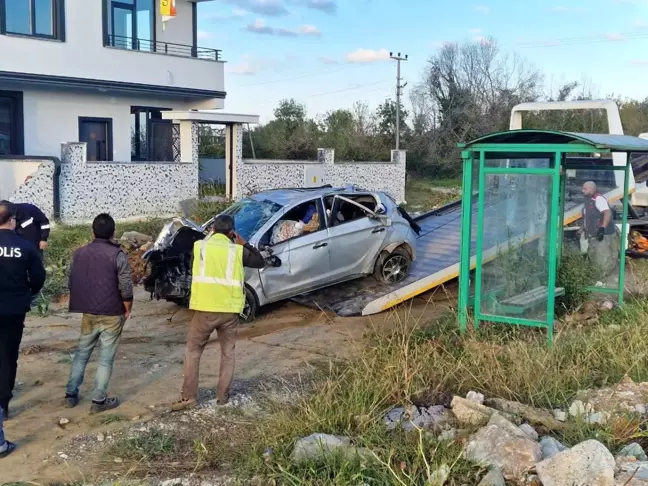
x,y
97,134
151,136
130,24
35,18
11,123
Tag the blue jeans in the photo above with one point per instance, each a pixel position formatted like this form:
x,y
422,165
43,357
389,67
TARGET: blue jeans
x,y
105,330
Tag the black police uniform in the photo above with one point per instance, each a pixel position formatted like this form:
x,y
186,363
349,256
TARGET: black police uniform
x,y
22,275
32,224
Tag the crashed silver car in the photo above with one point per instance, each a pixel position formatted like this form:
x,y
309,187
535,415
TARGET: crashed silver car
x,y
311,238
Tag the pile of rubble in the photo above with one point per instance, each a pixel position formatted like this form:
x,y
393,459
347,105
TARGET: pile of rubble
x,y
512,439
135,245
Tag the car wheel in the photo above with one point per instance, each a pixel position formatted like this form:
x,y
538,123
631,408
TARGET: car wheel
x,y
251,306
393,267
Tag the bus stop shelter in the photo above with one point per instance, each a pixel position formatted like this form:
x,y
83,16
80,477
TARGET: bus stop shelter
x,y
521,191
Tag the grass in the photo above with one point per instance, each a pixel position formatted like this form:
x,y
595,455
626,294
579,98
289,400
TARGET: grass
x,y
416,363
424,194
112,419
146,447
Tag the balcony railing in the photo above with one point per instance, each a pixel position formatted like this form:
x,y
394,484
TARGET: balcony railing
x,y
159,47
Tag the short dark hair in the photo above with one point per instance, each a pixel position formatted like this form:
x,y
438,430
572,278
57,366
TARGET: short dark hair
x,y
7,211
103,226
223,224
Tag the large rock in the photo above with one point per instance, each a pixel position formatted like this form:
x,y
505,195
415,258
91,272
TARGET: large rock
x,y
317,446
632,473
468,412
633,450
532,415
494,477
134,239
504,446
587,464
550,447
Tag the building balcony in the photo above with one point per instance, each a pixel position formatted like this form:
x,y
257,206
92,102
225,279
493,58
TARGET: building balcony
x,y
167,48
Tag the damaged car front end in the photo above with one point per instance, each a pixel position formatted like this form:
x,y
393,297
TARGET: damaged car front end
x,y
311,239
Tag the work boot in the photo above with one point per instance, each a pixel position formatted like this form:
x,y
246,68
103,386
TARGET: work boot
x,y
108,404
10,448
184,404
222,399
71,401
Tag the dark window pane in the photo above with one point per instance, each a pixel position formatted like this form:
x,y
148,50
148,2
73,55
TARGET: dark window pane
x,y
95,134
18,15
162,141
44,17
133,136
5,126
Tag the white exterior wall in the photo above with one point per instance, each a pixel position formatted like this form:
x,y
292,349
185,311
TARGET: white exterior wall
x,y
83,54
52,118
178,30
13,174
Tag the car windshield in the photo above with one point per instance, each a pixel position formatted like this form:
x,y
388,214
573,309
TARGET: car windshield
x,y
250,215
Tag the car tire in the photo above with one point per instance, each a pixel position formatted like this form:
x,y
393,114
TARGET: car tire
x,y
251,306
394,267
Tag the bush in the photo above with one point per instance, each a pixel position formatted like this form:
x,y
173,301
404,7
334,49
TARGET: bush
x,y
575,274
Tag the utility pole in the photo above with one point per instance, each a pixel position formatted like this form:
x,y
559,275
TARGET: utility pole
x,y
398,58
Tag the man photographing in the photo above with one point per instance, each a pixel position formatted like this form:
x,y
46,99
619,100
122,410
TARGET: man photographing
x,y
599,230
218,298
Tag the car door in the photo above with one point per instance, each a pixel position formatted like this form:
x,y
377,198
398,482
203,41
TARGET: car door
x,y
355,243
305,261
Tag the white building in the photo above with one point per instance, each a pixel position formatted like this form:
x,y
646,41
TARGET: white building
x,y
101,72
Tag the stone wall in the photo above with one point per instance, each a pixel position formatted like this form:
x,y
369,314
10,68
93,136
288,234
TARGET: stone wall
x,y
125,190
38,190
258,175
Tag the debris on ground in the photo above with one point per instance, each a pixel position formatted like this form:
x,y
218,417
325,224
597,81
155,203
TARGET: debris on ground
x,y
633,450
413,417
503,445
625,397
588,463
316,446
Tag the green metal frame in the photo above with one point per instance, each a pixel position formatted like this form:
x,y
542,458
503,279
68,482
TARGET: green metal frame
x,y
478,151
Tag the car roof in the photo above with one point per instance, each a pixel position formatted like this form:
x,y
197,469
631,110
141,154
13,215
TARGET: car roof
x,y
287,196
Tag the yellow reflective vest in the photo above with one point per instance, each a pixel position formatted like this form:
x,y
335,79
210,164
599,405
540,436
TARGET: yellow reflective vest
x,y
218,276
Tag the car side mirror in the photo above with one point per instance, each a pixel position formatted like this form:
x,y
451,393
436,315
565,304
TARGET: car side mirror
x,y
381,210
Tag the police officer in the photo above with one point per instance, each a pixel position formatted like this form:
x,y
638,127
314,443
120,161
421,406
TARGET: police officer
x,y
32,224
21,276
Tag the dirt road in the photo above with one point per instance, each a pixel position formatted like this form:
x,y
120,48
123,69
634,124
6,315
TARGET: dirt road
x,y
148,372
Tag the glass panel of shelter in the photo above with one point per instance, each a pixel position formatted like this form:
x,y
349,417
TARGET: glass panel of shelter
x,y
514,237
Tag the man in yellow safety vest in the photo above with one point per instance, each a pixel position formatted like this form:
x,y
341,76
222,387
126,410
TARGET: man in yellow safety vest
x,y
218,298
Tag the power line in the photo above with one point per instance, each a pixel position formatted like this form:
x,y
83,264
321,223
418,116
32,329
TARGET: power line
x,y
348,89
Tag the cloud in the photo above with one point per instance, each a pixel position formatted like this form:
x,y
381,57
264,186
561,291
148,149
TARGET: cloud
x,y
475,31
367,55
639,62
237,13
202,35
614,36
484,9
640,24
271,8
326,6
246,67
260,27
328,60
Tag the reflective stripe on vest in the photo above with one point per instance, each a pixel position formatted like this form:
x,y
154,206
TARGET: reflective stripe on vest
x,y
218,276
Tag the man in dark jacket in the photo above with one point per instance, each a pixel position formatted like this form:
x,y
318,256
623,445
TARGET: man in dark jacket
x,y
102,290
21,276
32,224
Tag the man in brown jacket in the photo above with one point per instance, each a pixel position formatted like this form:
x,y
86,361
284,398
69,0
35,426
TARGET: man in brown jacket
x,y
101,289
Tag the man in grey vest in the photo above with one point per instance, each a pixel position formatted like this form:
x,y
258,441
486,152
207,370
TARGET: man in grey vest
x,y
599,234
101,289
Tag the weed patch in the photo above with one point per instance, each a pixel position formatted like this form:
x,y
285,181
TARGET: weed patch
x,y
423,365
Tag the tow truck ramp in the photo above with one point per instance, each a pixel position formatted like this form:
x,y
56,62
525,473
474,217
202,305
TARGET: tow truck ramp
x,y
437,254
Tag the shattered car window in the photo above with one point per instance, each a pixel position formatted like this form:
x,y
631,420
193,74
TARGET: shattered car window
x,y
250,215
